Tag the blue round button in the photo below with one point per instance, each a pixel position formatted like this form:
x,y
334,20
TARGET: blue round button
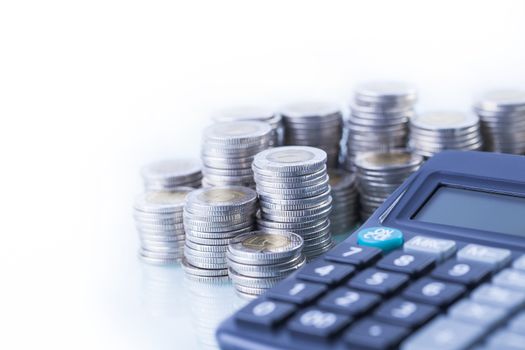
x,y
385,238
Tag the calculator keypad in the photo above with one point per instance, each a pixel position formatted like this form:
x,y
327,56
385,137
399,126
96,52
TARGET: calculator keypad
x,y
422,296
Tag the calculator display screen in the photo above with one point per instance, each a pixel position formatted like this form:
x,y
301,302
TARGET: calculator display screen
x,y
475,210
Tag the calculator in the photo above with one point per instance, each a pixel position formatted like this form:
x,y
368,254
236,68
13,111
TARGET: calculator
x,y
440,265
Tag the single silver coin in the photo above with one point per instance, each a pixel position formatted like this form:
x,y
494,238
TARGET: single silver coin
x,y
265,245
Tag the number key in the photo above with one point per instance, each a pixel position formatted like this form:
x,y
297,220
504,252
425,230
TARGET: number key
x,y
348,301
431,291
352,254
371,334
414,264
265,312
402,312
318,323
511,279
378,281
325,272
296,292
464,272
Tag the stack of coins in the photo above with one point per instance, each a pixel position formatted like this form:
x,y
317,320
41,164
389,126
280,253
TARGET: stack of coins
x,y
258,260
167,174
379,174
248,113
345,215
228,150
212,217
158,218
433,132
502,114
294,195
379,118
314,124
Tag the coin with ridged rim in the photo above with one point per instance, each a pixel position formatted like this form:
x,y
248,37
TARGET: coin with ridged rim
x,y
294,159
163,201
261,245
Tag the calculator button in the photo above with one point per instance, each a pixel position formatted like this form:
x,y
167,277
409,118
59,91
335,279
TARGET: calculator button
x,y
414,264
468,273
265,312
348,301
505,339
517,324
384,238
325,272
475,313
406,313
495,257
498,296
519,263
431,291
318,323
352,254
378,281
297,292
440,248
511,279
444,334
371,334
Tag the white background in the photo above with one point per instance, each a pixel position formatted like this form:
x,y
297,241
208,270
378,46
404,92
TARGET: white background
x,y
90,90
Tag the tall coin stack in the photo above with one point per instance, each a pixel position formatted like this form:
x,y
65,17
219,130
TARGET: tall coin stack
x,y
433,132
344,215
314,124
259,260
212,217
228,150
167,174
294,195
379,174
248,113
379,118
502,114
158,218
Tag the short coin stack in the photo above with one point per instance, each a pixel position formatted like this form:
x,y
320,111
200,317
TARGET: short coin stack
x,y
247,113
379,118
502,114
212,217
314,124
228,150
345,215
294,195
433,132
158,218
379,174
167,174
258,260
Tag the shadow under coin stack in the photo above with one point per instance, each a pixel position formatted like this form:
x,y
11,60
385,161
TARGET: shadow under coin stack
x,y
294,195
379,174
314,124
259,260
379,118
433,132
228,150
248,113
502,114
158,218
212,217
344,216
167,174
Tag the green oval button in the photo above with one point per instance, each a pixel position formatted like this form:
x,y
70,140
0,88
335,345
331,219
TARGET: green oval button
x,y
385,238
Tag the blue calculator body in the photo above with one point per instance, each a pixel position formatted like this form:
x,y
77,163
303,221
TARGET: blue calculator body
x,y
440,265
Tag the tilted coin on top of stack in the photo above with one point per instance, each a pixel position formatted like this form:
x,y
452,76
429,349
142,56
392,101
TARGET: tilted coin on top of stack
x,y
294,195
344,215
158,218
247,113
502,114
167,174
379,174
258,260
316,124
212,217
228,150
379,118
433,132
